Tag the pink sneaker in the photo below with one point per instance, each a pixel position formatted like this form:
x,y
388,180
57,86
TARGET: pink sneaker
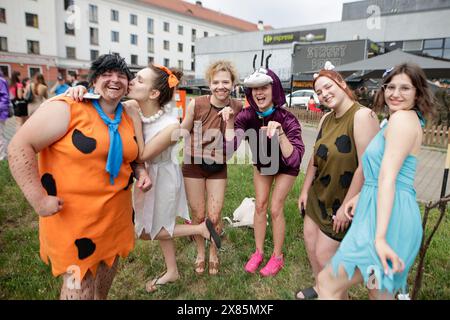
x,y
254,262
272,267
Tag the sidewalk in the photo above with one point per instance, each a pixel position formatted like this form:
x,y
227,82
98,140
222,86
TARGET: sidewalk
x,y
429,172
430,169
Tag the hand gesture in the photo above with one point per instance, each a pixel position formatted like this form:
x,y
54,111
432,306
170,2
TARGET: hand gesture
x,y
273,127
340,220
226,113
302,203
144,182
76,93
386,253
350,206
48,206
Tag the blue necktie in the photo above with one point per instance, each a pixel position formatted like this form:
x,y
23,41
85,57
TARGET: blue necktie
x,y
115,156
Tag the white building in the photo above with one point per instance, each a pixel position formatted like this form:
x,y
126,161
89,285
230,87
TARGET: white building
x,y
60,36
415,26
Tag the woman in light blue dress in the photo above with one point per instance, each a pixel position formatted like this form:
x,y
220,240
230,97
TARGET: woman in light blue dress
x,y
384,238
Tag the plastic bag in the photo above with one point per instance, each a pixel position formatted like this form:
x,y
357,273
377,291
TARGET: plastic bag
x,y
243,215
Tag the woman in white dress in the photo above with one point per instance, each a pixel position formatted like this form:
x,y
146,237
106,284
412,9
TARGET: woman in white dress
x,y
157,132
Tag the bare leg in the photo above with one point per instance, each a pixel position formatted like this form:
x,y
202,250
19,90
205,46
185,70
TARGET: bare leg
x,y
171,274
310,234
182,230
215,189
283,184
335,288
104,279
325,249
320,248
262,186
195,192
78,290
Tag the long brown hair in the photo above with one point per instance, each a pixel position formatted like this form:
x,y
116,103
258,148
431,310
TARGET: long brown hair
x,y
162,83
15,78
338,79
424,98
37,80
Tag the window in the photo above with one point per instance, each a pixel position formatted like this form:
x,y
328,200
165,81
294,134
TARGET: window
x,y
433,52
114,36
33,47
446,54
31,20
150,25
180,47
3,44
193,51
33,70
180,30
205,34
70,53
151,60
68,3
433,43
150,45
412,45
166,62
166,45
133,19
447,43
93,32
5,70
180,64
2,15
166,26
192,65
134,59
134,39
69,29
194,35
93,13
94,55
114,15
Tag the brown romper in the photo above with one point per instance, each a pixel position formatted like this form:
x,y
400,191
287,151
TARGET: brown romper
x,y
206,140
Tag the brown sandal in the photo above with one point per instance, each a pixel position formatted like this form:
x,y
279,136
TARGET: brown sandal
x,y
213,265
200,265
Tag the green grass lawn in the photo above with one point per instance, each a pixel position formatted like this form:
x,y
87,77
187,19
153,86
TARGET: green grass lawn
x,y
24,276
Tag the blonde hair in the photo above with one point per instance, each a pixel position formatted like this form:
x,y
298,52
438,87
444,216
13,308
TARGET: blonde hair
x,y
221,65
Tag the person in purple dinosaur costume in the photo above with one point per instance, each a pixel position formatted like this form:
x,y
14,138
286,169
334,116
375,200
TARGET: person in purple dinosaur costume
x,y
274,136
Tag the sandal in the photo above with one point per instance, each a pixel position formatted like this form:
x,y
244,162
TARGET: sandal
x,y
200,265
213,235
213,265
308,294
152,286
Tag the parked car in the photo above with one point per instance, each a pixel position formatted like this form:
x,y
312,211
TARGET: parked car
x,y
300,98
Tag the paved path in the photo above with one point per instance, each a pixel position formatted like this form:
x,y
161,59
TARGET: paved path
x,y
429,173
430,168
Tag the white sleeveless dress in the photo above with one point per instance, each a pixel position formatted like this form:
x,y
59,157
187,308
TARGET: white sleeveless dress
x,y
159,207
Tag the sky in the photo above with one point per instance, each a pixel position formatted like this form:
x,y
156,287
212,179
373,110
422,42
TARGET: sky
x,y
280,13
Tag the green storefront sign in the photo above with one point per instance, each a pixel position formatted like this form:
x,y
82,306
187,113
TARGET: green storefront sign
x,y
299,36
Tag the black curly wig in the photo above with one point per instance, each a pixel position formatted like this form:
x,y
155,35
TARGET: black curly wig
x,y
108,62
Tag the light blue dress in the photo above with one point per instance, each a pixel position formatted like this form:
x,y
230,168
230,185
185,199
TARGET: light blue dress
x,y
404,233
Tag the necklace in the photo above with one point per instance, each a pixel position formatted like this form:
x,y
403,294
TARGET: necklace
x,y
152,118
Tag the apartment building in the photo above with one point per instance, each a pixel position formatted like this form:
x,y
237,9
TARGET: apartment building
x,y
63,36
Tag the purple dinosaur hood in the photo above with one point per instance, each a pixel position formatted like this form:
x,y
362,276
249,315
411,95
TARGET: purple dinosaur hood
x,y
278,96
